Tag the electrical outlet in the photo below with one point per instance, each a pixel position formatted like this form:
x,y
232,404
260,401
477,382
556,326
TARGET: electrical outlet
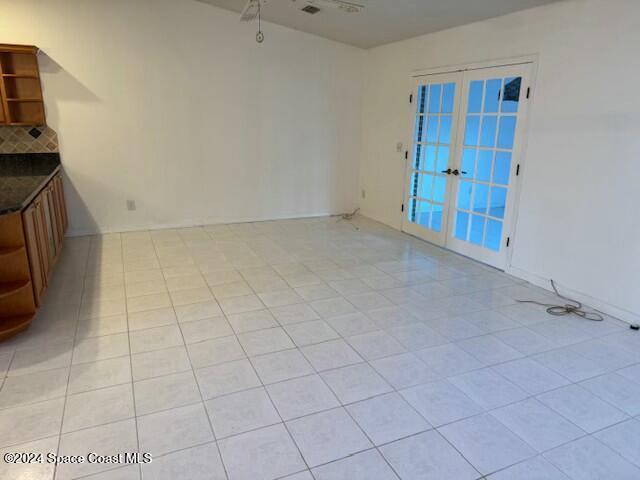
x,y
364,194
131,205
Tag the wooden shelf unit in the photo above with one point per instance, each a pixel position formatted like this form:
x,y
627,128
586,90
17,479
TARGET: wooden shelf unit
x,y
16,294
21,101
8,252
30,244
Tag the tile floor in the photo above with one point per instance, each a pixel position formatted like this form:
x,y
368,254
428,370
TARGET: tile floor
x,y
307,349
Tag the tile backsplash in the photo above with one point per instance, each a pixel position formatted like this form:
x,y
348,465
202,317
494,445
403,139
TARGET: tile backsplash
x,y
41,139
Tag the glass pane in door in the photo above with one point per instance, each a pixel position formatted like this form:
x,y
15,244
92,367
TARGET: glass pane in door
x,y
489,132
432,147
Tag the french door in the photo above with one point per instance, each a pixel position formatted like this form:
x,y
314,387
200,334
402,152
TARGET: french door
x,y
464,159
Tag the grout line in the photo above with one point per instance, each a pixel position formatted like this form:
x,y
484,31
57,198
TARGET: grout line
x,y
195,379
273,405
488,308
131,383
64,407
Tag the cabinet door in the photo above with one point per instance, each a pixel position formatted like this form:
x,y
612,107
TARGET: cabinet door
x,y
30,222
50,230
58,194
41,233
63,205
54,211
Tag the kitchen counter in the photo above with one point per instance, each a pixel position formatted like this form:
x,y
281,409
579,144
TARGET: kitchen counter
x,y
22,176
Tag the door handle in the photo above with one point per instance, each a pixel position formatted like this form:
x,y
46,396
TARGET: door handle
x,y
447,171
456,172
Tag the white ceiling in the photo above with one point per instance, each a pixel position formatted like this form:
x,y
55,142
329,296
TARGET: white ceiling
x,y
382,21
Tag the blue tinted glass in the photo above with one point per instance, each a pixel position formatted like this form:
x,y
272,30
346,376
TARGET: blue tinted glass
x,y
411,213
436,218
448,94
420,130
426,186
488,134
435,94
432,129
477,229
507,131
462,225
468,162
429,158
498,202
464,195
438,189
483,167
445,129
443,159
494,235
511,95
415,178
424,214
501,168
422,98
471,130
491,99
480,198
475,96
417,157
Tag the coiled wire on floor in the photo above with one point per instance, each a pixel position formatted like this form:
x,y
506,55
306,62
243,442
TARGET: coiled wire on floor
x,y
574,307
347,217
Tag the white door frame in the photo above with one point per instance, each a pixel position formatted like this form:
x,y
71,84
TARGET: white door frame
x,y
531,59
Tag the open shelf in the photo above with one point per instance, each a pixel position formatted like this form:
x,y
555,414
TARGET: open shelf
x,y
19,75
14,63
16,299
6,252
9,326
12,288
20,88
26,113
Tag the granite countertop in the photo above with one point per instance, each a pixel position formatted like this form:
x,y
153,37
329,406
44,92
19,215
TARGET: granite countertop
x,y
22,176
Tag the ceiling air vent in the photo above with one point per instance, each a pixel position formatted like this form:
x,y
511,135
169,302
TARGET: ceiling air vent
x,y
310,9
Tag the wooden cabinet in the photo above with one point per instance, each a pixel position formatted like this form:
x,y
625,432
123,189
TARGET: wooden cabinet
x,y
30,244
17,303
33,224
21,100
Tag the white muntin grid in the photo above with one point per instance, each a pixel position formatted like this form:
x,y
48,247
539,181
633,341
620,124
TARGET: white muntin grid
x,y
429,119
471,178
424,116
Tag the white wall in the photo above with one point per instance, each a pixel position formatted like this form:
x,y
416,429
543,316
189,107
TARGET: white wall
x,y
578,218
173,104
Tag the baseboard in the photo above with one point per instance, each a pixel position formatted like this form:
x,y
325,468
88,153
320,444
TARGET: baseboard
x,y
532,278
375,218
191,223
592,302
595,303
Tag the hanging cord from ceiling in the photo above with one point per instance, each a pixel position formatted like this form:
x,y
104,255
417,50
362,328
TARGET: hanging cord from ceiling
x,y
259,35
574,307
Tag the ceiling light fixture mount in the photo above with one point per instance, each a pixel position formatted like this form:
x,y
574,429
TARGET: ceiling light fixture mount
x,y
253,10
347,7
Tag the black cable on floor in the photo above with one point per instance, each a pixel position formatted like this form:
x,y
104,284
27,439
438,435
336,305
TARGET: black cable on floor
x,y
574,307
